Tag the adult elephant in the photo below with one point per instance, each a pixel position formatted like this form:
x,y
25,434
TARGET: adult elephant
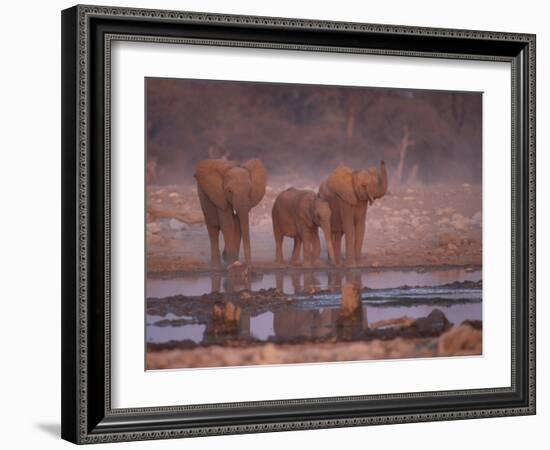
x,y
227,192
299,214
349,192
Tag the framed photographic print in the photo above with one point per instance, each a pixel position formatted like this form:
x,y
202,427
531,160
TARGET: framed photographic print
x,y
277,224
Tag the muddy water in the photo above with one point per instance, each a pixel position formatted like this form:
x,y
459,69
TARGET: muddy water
x,y
315,309
294,282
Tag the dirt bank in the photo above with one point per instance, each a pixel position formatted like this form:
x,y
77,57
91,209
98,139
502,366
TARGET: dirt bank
x,y
409,227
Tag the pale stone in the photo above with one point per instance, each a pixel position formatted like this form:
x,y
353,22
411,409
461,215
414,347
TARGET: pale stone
x,y
351,300
460,340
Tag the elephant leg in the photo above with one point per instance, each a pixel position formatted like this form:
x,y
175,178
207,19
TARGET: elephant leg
x,y
316,245
216,282
337,239
214,235
296,251
359,238
360,234
295,279
237,235
279,281
308,241
348,224
278,243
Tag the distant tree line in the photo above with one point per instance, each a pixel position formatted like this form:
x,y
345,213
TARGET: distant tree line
x,y
424,136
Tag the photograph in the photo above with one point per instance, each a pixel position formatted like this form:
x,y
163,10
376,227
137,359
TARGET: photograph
x,y
303,223
273,223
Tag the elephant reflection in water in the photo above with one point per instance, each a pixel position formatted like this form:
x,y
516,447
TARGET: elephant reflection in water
x,y
316,324
309,323
311,283
323,322
233,283
336,279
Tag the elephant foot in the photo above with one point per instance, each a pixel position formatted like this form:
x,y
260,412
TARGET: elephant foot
x,y
216,264
279,262
295,262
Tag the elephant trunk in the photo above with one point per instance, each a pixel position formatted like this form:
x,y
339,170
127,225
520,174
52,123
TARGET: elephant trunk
x,y
232,238
325,226
245,232
382,181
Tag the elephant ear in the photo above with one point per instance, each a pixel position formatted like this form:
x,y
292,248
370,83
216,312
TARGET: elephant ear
x,y
371,180
341,183
304,209
258,177
209,175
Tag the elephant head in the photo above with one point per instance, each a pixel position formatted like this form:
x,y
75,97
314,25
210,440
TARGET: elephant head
x,y
355,186
234,189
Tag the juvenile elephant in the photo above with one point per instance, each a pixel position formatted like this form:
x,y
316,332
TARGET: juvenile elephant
x,y
349,192
299,214
227,192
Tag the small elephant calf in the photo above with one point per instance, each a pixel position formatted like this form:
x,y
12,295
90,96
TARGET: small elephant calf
x,y
299,214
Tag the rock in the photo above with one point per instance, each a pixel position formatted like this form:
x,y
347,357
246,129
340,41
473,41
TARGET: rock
x,y
399,322
269,354
461,340
475,324
245,295
433,325
154,228
351,300
451,247
217,312
176,225
232,313
155,239
422,228
226,318
444,239
374,224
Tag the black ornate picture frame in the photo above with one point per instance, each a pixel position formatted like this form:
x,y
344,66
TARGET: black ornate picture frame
x,y
87,34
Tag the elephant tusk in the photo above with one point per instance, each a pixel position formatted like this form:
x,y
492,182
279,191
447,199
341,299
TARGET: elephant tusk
x,y
234,212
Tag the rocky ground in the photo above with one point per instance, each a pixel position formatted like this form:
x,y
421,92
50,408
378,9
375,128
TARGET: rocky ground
x,y
353,337
463,340
411,226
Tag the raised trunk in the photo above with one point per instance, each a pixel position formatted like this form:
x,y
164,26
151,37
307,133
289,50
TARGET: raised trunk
x,y
382,181
245,233
328,239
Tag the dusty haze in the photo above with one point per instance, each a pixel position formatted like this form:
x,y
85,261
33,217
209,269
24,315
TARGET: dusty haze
x,y
307,130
